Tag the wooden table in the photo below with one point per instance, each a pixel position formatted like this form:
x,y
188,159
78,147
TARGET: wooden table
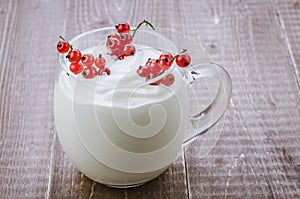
x,y
258,152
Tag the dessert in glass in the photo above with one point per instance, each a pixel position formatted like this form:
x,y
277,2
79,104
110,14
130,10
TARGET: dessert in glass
x,y
122,109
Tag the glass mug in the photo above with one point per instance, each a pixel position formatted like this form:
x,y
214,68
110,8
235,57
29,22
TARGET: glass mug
x,y
119,130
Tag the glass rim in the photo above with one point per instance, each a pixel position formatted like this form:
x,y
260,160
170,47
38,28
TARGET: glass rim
x,y
158,32
64,63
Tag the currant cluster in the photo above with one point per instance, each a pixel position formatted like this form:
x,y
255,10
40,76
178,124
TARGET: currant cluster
x,y
87,65
119,44
155,67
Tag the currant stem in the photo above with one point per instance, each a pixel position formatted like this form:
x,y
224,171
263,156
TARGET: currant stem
x,y
183,51
140,24
62,38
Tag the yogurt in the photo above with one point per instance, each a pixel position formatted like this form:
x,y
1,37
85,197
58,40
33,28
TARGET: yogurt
x,y
119,130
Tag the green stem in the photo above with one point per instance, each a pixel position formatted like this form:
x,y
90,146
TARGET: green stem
x,y
62,38
140,24
183,51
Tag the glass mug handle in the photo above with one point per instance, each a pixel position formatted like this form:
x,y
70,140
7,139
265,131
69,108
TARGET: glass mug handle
x,y
203,119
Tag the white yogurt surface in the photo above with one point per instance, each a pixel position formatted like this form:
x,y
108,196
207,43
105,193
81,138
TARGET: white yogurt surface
x,y
117,129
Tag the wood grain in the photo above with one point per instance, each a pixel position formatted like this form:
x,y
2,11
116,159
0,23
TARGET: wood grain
x,y
263,119
258,153
27,76
288,16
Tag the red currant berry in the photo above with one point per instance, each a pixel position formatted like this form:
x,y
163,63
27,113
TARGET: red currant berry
x,y
148,62
129,50
153,65
88,59
120,57
165,61
76,68
115,51
183,60
89,72
113,42
125,38
155,69
143,71
123,27
117,36
156,83
118,52
151,62
104,71
168,80
63,46
100,62
74,56
152,76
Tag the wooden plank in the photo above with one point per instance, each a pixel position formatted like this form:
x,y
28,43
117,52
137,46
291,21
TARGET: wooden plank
x,y
27,76
68,182
5,19
171,184
289,16
257,154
